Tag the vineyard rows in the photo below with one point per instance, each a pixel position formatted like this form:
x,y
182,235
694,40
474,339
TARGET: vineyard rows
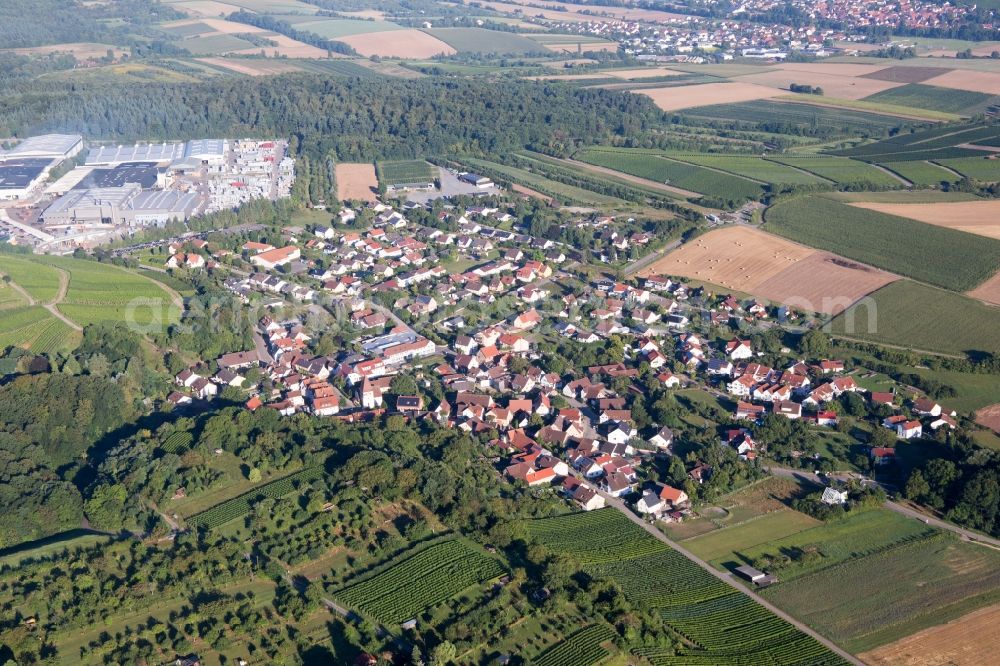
x,y
415,582
177,441
237,507
728,627
581,648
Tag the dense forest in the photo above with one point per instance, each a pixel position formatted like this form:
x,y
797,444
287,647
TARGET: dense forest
x,y
356,120
69,21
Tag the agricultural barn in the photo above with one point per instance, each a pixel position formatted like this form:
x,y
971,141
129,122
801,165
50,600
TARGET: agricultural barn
x,y
139,152
120,206
19,178
477,180
52,146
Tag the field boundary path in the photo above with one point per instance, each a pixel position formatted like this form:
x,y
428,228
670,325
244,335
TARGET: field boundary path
x,y
711,168
728,580
177,299
804,172
51,307
24,293
893,174
946,168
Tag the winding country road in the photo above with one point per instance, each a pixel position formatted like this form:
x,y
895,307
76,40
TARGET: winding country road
x,y
51,307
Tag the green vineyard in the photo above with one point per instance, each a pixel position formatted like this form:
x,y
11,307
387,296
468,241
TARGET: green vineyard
x,y
581,648
237,507
724,626
177,441
416,581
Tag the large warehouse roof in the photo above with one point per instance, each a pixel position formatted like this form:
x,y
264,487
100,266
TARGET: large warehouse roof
x,y
140,152
46,145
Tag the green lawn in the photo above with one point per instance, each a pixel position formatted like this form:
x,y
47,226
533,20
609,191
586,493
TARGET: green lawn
x,y
770,527
919,317
951,259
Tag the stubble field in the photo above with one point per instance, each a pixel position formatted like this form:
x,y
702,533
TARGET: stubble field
x,y
356,181
961,642
398,44
974,217
759,263
685,97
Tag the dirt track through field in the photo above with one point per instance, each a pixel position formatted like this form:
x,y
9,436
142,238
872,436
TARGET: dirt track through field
x,y
962,642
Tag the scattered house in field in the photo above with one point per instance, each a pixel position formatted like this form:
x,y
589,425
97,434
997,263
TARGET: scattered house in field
x,y
882,455
942,421
833,497
926,407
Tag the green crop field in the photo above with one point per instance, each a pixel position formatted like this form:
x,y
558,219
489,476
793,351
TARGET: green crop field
x,y
944,257
977,168
920,96
921,317
405,172
923,174
213,44
41,281
840,170
339,67
551,165
10,297
857,535
689,177
333,28
751,166
767,528
581,648
935,143
416,581
540,183
718,620
188,30
480,40
239,506
899,591
36,329
102,292
784,116
275,6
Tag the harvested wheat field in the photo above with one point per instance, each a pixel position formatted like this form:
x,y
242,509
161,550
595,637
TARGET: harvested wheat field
x,y
823,282
834,85
975,217
755,262
252,67
735,257
989,417
685,97
961,642
988,291
967,79
408,43
79,50
356,181
289,48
